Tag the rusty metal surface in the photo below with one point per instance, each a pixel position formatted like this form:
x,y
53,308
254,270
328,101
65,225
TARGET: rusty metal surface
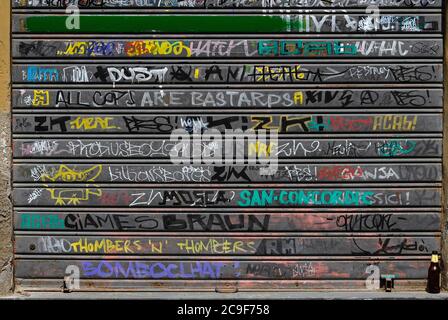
x,y
176,174
235,221
90,285
285,245
390,147
298,99
262,72
227,48
300,269
285,124
358,111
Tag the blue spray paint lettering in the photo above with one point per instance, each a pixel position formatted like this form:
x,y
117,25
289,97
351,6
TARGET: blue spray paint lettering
x,y
38,74
153,270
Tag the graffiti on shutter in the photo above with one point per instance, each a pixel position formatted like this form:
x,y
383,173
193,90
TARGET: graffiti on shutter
x,y
350,104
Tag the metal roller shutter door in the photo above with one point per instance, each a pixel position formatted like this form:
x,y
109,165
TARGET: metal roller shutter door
x,y
357,107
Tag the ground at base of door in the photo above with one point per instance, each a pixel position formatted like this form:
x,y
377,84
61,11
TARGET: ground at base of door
x,y
352,295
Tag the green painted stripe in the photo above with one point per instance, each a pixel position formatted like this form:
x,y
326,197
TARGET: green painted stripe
x,y
164,23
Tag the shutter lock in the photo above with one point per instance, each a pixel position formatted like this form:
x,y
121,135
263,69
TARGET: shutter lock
x,y
388,282
66,285
227,288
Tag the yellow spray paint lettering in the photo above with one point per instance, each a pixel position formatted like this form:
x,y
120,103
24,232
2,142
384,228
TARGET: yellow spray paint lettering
x,y
41,98
84,245
72,196
215,246
77,47
156,48
395,123
298,97
278,73
92,123
156,247
261,148
67,174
